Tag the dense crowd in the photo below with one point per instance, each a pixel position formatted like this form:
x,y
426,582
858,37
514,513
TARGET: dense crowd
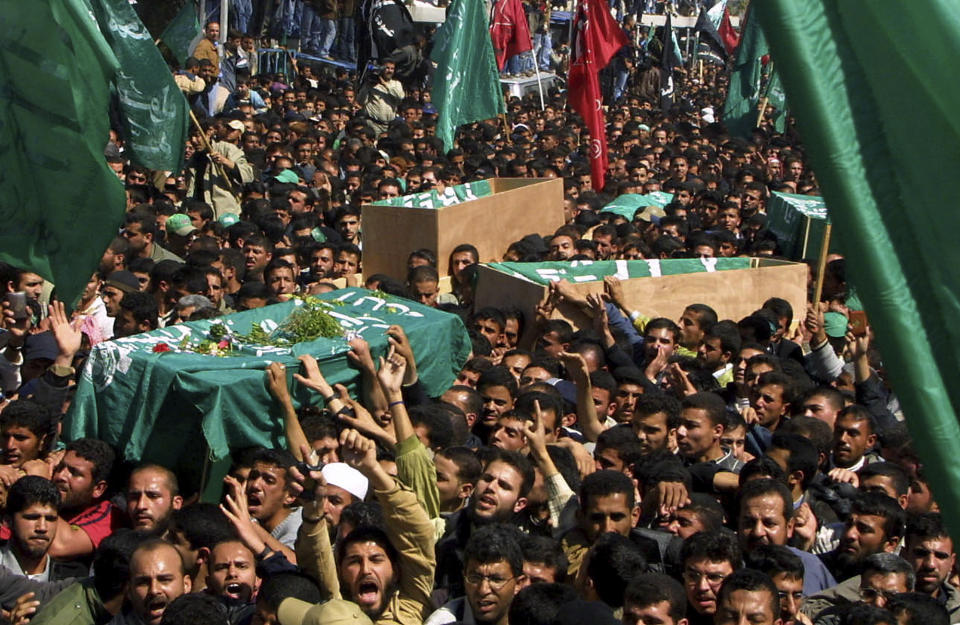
x,y
639,470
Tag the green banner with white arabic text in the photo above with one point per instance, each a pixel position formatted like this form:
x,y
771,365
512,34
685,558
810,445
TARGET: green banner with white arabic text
x,y
155,400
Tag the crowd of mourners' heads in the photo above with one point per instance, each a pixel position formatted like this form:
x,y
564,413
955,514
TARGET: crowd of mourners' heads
x,y
638,469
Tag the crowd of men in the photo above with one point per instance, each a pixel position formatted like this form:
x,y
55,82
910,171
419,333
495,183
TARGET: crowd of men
x,y
641,470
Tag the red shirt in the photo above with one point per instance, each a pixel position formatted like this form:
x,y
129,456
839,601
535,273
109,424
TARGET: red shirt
x,y
98,521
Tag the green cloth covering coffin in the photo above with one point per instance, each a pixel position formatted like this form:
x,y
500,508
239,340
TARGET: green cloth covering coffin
x,y
798,221
173,407
592,271
628,204
449,197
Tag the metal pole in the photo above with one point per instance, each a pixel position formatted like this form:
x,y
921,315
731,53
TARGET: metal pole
x,y
224,21
536,68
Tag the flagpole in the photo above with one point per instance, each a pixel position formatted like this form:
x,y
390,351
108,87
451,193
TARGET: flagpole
x,y
696,50
224,24
536,68
822,264
209,147
763,109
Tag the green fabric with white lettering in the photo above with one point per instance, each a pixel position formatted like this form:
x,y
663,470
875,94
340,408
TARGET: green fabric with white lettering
x,y
450,196
159,406
593,271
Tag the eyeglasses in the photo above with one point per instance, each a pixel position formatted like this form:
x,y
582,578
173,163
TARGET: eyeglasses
x,y
872,594
693,576
496,582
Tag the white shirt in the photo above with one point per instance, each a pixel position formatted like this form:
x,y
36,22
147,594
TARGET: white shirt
x,y
9,560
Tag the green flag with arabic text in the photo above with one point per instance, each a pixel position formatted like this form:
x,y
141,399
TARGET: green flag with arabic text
x,y
466,84
878,117
59,201
155,398
753,78
181,31
152,111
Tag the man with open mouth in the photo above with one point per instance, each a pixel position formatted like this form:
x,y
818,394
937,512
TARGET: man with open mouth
x,y
157,577
500,493
387,571
232,577
269,500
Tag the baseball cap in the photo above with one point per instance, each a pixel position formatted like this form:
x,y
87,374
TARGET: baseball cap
x,y
180,225
294,611
287,176
566,388
40,346
835,324
228,219
236,124
123,280
346,477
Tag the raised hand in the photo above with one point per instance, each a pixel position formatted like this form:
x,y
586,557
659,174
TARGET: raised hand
x,y
658,364
359,353
312,377
236,510
67,334
575,364
613,289
359,452
391,373
277,381
536,432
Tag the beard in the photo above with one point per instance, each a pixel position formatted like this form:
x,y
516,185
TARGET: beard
x,y
32,550
385,597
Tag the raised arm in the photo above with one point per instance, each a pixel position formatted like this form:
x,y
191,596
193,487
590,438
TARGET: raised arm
x,y
277,384
415,468
406,525
590,423
314,551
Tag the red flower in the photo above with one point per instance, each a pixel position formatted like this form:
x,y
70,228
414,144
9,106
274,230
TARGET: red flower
x,y
223,344
159,348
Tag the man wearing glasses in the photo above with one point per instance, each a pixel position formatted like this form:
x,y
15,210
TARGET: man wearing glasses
x,y
707,559
491,575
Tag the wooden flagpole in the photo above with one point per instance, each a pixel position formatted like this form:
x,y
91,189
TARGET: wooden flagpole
x,y
822,265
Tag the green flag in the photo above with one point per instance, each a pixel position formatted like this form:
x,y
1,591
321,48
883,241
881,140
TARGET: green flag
x,y
750,81
578,271
456,194
466,85
60,202
181,31
153,111
776,99
628,204
799,223
878,120
154,399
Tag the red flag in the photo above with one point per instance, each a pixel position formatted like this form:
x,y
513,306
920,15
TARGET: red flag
x,y
730,37
509,30
596,39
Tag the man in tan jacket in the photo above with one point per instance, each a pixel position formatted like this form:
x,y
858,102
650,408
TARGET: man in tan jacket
x,y
388,572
